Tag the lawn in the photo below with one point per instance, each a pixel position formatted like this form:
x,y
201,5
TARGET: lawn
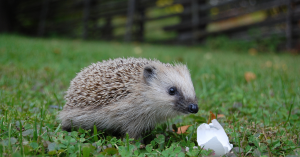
x,y
261,117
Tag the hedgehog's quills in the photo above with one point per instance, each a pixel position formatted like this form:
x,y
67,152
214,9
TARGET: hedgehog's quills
x,y
128,95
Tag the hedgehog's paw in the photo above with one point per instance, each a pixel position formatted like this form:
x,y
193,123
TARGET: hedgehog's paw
x,y
67,125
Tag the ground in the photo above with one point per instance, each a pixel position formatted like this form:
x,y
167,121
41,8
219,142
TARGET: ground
x,y
260,116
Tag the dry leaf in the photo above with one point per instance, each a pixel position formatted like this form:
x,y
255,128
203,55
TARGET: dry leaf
x,y
56,51
249,76
221,116
268,64
183,129
252,51
47,68
211,117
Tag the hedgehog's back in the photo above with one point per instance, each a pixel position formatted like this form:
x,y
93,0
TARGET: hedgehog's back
x,y
105,82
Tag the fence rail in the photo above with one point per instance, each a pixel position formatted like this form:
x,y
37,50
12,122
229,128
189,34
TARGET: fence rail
x,y
178,21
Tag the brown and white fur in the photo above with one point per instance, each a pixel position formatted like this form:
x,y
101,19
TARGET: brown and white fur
x,y
128,95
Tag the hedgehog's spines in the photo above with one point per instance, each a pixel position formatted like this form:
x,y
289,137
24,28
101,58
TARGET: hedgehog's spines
x,y
105,72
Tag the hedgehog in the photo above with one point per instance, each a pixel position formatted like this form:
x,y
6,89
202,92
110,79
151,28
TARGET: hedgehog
x,y
128,95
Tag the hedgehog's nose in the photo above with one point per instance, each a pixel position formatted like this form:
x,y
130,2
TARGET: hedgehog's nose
x,y
193,108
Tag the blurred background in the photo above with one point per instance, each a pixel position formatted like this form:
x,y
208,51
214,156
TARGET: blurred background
x,y
268,25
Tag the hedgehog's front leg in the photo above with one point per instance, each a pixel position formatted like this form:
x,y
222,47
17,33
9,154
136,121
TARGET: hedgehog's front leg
x,y
134,132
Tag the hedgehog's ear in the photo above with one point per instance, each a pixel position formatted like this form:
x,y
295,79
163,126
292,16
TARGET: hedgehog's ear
x,y
149,72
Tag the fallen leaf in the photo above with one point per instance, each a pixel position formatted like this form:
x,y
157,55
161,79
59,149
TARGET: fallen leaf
x,y
268,64
249,76
56,51
47,68
142,146
252,51
221,116
183,129
211,117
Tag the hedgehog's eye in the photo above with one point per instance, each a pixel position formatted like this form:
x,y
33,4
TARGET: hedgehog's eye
x,y
172,91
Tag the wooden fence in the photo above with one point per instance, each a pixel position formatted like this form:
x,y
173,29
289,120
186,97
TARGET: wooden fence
x,y
162,21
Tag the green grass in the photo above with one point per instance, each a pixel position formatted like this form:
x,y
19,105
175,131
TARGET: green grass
x,y
261,117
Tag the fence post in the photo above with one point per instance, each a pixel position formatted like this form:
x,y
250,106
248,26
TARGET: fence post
x,y
141,22
94,20
130,13
86,14
43,16
289,25
195,20
107,29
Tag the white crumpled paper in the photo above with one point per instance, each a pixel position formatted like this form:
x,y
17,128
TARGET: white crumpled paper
x,y
212,136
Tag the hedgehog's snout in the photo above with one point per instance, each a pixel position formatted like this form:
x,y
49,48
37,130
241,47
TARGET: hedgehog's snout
x,y
193,108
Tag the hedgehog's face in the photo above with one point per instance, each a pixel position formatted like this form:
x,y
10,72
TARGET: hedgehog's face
x,y
171,88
